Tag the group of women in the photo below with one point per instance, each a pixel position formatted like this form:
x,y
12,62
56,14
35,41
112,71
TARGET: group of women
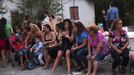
x,y
71,40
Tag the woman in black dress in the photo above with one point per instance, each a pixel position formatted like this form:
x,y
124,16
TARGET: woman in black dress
x,y
66,38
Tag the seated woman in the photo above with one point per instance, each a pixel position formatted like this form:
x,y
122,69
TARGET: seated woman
x,y
49,40
96,49
66,38
38,49
119,41
131,55
80,50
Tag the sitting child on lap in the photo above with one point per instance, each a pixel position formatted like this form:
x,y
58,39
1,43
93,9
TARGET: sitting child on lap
x,y
38,49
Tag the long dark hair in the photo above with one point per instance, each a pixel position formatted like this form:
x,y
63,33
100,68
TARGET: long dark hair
x,y
60,26
48,26
3,23
80,27
70,26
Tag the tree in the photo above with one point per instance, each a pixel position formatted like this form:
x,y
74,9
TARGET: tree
x,y
36,8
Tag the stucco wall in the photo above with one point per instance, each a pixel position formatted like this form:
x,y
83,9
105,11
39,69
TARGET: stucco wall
x,y
86,10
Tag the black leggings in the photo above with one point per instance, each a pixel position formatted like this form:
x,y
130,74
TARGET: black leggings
x,y
120,59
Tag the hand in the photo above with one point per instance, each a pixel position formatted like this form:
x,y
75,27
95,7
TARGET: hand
x,y
122,48
89,56
93,57
74,49
119,51
26,47
31,49
67,36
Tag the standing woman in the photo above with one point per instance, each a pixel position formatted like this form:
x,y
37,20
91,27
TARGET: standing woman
x,y
66,44
3,38
80,50
59,29
119,41
49,41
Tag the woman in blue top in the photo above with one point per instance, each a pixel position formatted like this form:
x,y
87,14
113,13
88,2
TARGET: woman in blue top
x,y
79,51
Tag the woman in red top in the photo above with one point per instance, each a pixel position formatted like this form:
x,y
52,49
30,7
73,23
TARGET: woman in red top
x,y
3,37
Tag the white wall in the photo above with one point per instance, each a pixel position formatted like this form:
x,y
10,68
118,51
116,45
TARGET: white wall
x,y
86,10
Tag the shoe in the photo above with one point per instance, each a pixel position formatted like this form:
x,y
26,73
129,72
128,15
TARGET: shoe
x,y
114,72
79,68
123,70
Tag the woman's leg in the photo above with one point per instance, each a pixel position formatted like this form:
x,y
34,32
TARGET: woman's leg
x,y
68,61
89,67
125,60
47,58
3,55
95,66
12,57
58,58
116,61
131,55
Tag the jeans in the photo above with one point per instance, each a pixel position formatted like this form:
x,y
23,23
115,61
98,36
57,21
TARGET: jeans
x,y
22,52
40,55
80,56
120,59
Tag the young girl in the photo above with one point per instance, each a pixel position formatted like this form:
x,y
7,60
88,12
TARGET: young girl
x,y
38,49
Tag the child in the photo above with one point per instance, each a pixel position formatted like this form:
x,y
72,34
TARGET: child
x,y
38,49
21,51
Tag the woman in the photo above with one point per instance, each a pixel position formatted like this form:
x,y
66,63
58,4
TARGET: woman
x,y
59,29
119,41
34,31
3,37
49,41
79,51
96,52
66,37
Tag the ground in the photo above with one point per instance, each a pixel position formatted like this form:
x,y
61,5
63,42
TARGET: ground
x,y
104,69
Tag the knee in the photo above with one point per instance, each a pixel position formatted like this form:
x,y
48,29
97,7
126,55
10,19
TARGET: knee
x,y
59,55
67,53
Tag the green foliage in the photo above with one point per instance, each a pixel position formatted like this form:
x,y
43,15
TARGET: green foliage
x,y
36,8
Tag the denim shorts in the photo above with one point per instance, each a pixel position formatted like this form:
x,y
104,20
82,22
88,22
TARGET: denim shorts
x,y
22,52
99,57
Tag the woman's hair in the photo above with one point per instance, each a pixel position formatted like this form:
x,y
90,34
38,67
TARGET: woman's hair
x,y
53,17
60,26
48,26
93,28
80,27
115,22
3,23
34,27
70,25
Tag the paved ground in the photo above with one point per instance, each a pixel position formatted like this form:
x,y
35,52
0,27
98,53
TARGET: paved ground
x,y
104,69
